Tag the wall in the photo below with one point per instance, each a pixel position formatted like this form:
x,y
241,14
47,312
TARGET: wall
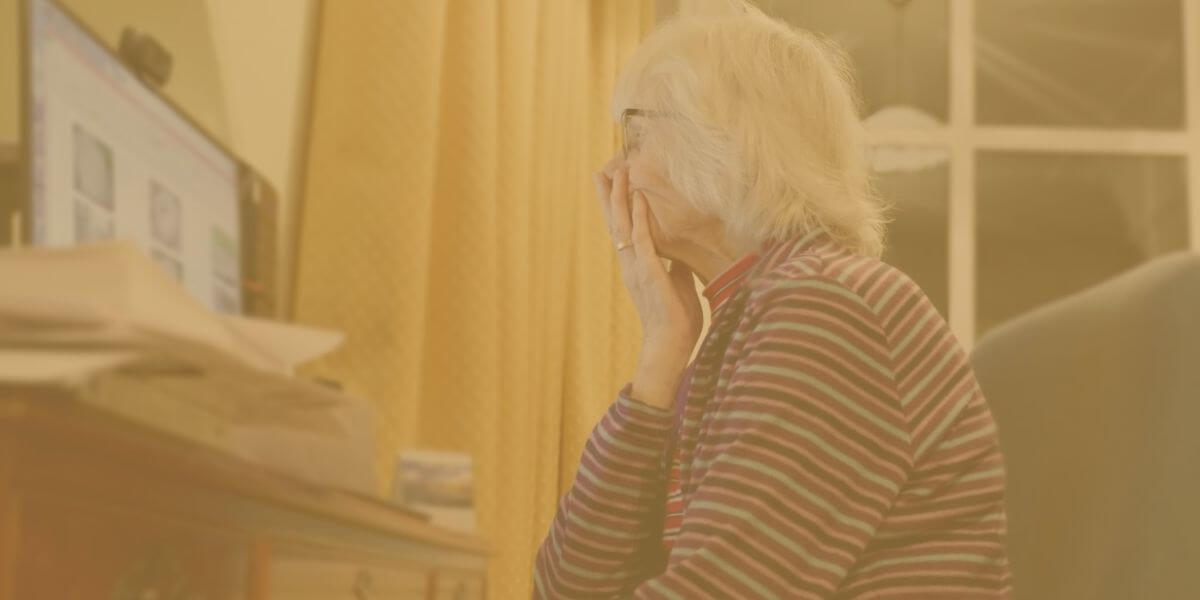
x,y
8,71
264,49
182,26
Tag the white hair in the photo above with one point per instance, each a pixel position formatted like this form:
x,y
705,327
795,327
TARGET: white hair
x,y
759,126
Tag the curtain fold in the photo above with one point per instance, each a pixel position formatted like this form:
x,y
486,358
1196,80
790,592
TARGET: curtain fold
x,y
449,227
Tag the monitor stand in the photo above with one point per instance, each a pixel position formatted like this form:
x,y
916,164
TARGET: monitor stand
x,y
11,209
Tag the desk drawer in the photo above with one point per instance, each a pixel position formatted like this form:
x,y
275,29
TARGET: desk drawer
x,y
68,549
459,585
303,578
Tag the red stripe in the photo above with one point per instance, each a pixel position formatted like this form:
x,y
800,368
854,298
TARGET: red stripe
x,y
725,285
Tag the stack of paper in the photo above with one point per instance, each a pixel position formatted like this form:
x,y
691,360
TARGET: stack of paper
x,y
105,322
113,297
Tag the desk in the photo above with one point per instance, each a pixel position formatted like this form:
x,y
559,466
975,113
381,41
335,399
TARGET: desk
x,y
92,506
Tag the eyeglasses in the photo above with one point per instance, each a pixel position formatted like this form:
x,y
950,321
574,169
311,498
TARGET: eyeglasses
x,y
631,137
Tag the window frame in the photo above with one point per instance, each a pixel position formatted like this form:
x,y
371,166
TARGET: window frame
x,y
965,139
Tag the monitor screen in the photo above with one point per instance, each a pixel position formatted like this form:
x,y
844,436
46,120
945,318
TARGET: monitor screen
x,y
110,159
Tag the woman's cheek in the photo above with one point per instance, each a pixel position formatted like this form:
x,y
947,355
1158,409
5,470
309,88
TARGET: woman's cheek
x,y
661,230
656,233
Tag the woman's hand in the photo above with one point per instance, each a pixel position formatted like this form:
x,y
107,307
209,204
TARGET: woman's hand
x,y
665,300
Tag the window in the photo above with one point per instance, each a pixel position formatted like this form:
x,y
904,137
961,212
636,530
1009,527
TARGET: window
x,y
1031,148
1080,63
917,238
1050,225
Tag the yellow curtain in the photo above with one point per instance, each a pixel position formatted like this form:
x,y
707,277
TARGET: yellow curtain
x,y
449,228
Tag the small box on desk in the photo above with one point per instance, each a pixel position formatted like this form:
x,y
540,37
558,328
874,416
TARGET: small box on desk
x,y
439,484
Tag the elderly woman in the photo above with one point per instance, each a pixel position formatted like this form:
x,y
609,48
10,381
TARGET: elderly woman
x,y
829,440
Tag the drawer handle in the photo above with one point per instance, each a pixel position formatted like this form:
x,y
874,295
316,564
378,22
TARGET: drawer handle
x,y
158,574
363,585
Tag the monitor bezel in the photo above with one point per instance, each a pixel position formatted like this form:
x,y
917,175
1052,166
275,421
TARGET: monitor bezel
x,y
23,205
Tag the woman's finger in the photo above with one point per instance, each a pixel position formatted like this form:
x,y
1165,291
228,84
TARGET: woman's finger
x,y
619,211
610,168
603,193
642,243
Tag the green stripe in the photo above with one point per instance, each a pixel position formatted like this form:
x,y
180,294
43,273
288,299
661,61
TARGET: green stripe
x,y
565,565
912,334
817,284
978,559
586,473
738,338
987,430
887,296
736,573
586,574
785,255
661,588
604,435
808,237
814,439
919,492
826,389
802,491
749,519
600,530
998,471
925,491
928,377
657,414
833,337
844,272
936,434
554,545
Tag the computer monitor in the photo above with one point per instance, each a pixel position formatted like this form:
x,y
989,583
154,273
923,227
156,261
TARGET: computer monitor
x,y
107,157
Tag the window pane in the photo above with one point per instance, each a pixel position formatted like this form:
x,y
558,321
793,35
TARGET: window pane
x,y
1070,63
1050,225
916,182
899,51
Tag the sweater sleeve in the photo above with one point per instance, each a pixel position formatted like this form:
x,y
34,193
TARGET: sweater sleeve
x,y
800,460
606,536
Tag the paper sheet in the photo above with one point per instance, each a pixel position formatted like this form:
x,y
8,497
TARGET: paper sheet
x,y
114,294
105,323
40,367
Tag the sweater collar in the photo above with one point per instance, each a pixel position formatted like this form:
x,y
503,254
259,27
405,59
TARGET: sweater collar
x,y
725,285
770,254
775,252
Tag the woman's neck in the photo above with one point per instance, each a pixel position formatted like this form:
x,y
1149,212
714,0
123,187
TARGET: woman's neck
x,y
708,260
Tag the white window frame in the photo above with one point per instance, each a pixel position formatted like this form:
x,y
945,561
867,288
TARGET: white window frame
x,y
965,138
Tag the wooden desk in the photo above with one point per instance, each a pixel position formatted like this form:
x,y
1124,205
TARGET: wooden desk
x,y
92,506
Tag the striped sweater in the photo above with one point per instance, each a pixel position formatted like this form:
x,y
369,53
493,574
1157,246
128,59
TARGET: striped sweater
x,y
833,443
